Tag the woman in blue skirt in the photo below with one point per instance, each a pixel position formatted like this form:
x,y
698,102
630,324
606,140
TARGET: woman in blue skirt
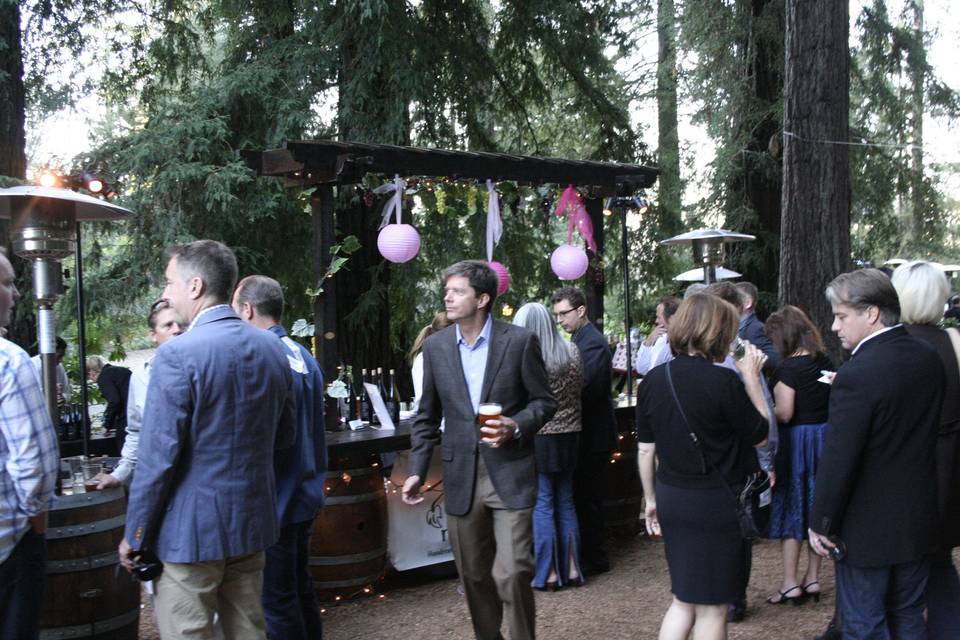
x,y
801,401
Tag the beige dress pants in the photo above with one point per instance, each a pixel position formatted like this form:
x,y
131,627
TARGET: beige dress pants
x,y
493,549
188,595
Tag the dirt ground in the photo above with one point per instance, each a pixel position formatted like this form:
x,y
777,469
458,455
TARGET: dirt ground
x,y
627,602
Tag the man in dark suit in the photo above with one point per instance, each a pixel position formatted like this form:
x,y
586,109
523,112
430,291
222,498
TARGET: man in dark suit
x,y
751,329
114,384
489,487
203,498
875,503
289,604
599,427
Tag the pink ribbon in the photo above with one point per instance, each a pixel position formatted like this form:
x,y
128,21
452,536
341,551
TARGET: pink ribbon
x,y
571,204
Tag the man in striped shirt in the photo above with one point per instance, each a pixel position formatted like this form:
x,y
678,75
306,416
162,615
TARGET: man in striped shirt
x,y
28,473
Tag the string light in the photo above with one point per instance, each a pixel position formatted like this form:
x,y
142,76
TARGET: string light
x,y
94,184
608,207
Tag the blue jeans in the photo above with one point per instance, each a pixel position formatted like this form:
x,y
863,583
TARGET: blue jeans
x,y
943,598
289,605
22,576
556,536
879,603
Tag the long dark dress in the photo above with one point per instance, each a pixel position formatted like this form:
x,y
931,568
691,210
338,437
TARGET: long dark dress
x,y
801,441
697,514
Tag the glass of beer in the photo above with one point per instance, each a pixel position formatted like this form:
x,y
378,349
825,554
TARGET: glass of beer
x,y
488,411
90,472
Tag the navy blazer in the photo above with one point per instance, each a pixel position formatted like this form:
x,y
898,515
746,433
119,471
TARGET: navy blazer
x,y
515,377
751,330
876,479
301,469
217,403
599,430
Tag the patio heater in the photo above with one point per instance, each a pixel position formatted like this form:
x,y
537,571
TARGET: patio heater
x,y
709,248
44,228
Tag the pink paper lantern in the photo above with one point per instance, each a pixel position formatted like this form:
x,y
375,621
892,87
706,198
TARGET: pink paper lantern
x,y
398,242
502,274
569,262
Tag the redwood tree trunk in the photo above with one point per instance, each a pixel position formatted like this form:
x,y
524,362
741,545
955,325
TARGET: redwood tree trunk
x,y
917,200
668,141
815,241
13,159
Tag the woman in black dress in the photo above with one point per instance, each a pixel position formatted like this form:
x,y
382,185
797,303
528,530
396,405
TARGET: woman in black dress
x,y
801,409
688,503
922,289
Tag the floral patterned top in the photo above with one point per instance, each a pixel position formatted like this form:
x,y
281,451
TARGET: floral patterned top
x,y
566,384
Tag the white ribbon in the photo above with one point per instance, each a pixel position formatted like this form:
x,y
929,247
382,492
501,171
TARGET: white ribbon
x,y
397,187
494,223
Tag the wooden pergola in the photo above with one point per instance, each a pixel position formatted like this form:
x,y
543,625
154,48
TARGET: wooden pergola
x,y
325,164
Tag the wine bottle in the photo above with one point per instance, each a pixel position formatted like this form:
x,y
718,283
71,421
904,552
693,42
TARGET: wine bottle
x,y
366,407
393,403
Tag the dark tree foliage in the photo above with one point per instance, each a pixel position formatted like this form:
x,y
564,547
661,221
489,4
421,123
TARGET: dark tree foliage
x,y
897,206
738,81
193,84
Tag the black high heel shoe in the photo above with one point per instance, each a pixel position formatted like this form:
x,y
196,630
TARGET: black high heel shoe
x,y
549,586
812,594
784,598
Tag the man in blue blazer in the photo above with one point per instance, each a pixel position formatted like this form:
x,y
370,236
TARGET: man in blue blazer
x,y
289,604
204,497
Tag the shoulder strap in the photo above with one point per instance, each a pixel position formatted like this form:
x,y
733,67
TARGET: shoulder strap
x,y
694,436
954,334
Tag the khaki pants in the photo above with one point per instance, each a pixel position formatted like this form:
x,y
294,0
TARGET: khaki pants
x,y
188,595
493,548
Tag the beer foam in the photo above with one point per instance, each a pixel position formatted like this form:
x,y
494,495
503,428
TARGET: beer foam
x,y
490,409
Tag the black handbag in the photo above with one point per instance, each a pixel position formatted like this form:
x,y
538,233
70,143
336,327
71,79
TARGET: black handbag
x,y
752,500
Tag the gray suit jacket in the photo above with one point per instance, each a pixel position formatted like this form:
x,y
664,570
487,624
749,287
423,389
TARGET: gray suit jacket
x,y
516,378
217,403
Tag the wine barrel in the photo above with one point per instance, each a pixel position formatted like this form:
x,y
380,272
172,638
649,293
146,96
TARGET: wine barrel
x,y
622,492
348,546
88,594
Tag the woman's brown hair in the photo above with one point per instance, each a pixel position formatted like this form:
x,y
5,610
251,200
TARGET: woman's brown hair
x,y
439,322
704,324
790,329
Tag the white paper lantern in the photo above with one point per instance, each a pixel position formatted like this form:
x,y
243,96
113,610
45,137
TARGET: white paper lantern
x,y
569,262
398,242
502,274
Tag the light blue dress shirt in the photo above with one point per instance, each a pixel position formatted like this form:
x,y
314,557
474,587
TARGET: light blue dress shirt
x,y
473,359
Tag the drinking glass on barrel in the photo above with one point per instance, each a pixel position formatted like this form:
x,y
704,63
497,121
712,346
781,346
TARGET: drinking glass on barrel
x,y
486,412
90,472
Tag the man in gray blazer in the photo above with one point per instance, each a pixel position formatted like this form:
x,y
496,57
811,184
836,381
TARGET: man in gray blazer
x,y
489,487
204,497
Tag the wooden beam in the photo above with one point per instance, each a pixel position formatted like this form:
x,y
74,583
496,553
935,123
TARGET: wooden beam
x,y
324,305
347,163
